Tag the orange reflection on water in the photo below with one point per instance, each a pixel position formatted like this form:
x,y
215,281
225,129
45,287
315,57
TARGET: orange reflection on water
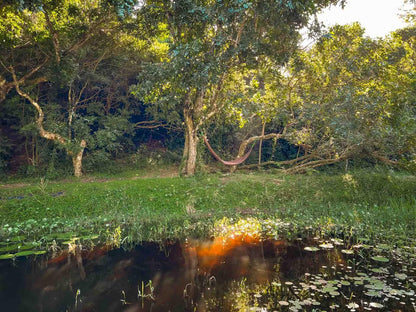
x,y
212,253
229,236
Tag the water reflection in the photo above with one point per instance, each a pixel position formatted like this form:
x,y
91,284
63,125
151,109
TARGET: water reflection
x,y
238,273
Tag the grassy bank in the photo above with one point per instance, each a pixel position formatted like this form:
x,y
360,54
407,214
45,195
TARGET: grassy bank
x,y
361,204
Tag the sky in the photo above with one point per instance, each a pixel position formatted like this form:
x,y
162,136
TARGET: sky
x,y
378,17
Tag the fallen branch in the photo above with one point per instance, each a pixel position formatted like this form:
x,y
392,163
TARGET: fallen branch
x,y
312,164
278,163
152,124
385,159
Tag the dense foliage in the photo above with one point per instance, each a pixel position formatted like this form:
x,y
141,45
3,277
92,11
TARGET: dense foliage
x,y
86,82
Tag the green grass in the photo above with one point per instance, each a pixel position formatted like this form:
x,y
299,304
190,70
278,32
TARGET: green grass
x,y
375,206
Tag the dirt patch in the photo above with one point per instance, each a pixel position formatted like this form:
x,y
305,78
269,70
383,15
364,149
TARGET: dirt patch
x,y
160,173
92,179
12,186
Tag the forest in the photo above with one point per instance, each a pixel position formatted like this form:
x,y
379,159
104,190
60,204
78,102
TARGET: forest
x,y
89,86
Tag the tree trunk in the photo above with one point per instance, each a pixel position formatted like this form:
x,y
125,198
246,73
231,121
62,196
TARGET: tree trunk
x,y
185,155
191,144
77,159
261,141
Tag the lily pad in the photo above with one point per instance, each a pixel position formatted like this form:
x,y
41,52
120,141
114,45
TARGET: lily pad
x,y
28,246
352,305
373,293
40,252
25,253
18,247
326,246
362,246
375,284
400,276
347,251
29,253
380,259
310,248
337,242
60,236
6,256
376,305
9,248
329,289
72,241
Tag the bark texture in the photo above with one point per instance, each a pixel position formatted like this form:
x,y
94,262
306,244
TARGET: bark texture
x,y
191,145
77,159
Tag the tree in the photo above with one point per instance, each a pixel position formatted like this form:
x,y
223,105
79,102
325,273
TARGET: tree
x,y
58,56
206,42
353,90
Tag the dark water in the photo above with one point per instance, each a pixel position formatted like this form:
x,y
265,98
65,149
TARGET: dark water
x,y
212,276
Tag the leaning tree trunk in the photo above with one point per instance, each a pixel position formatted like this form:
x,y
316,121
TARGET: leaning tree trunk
x,y
190,150
76,158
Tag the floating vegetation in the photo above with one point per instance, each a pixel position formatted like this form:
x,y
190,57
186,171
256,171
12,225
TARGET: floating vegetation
x,y
19,246
311,248
6,256
237,270
375,305
326,246
380,259
29,253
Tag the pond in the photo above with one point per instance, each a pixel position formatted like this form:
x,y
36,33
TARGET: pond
x,y
233,274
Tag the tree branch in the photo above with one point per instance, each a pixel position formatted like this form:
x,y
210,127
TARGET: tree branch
x,y
385,159
39,120
313,164
151,124
278,163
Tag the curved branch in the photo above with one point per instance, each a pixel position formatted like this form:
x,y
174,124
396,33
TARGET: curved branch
x,y
39,120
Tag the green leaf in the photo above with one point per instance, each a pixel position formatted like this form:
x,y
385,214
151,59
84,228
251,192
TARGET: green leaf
x,y
380,259
6,256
